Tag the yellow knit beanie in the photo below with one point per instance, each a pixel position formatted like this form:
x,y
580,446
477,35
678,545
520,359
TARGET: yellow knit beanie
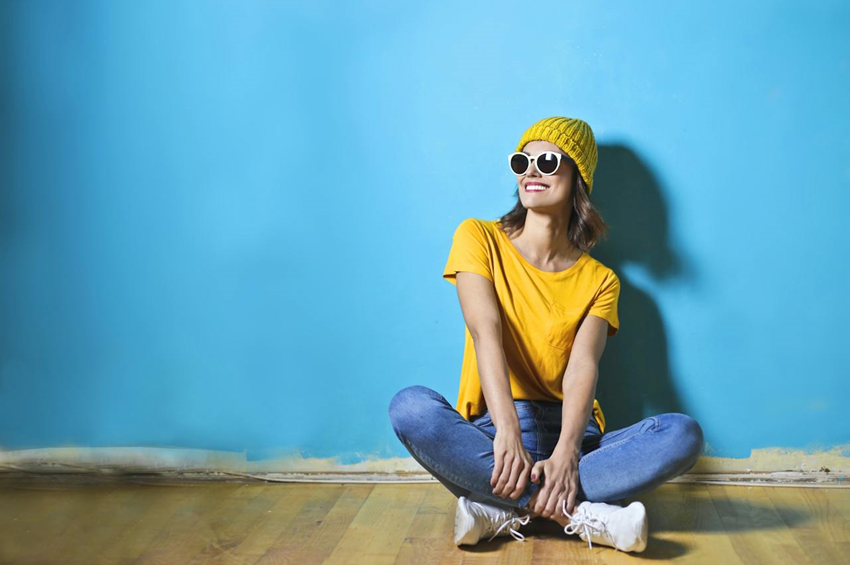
x,y
573,136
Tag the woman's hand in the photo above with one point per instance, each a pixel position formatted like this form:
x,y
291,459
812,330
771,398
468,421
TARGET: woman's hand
x,y
561,483
513,465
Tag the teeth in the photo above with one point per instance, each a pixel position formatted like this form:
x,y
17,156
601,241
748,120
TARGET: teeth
x,y
535,187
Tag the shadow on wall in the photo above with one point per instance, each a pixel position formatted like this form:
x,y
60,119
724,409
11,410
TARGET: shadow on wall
x,y
634,374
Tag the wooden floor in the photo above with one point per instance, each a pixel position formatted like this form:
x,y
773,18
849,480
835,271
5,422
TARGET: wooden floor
x,y
299,523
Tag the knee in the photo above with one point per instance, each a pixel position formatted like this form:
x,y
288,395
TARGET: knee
x,y
408,408
688,438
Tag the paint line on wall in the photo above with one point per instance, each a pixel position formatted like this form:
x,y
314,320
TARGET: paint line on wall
x,y
834,461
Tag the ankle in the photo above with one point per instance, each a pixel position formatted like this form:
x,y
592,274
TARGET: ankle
x,y
559,518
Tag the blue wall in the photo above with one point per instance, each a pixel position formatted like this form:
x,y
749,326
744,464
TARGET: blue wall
x,y
222,224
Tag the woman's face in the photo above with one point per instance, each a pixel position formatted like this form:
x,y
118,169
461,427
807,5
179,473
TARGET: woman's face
x,y
546,191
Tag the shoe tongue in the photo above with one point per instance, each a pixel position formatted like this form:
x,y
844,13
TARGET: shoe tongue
x,y
591,518
494,513
595,528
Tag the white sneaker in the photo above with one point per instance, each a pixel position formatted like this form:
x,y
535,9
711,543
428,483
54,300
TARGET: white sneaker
x,y
625,529
475,520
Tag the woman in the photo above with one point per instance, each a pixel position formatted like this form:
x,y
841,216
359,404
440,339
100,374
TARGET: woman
x,y
527,437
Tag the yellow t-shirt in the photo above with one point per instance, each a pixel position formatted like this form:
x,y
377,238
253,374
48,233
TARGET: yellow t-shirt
x,y
541,312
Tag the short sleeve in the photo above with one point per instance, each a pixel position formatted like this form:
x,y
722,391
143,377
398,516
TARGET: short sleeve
x,y
606,301
470,251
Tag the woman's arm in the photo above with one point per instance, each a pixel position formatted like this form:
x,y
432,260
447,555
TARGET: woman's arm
x,y
560,471
480,308
481,312
579,383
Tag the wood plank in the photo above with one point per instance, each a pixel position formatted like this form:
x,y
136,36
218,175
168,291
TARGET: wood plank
x,y
15,500
45,516
708,540
839,498
232,522
97,525
149,512
378,530
186,532
299,531
552,545
286,501
835,518
500,550
685,526
435,517
666,511
806,518
407,523
430,538
328,531
747,525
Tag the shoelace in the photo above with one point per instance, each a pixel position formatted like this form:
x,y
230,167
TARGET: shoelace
x,y
515,521
581,520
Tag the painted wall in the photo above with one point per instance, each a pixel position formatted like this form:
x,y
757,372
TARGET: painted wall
x,y
223,224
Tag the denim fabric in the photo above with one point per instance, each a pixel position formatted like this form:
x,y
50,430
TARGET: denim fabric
x,y
612,466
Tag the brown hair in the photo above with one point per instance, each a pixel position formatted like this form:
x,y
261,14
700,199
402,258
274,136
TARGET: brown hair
x,y
586,223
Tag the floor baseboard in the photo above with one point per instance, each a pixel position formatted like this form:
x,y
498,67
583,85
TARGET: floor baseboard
x,y
769,466
100,476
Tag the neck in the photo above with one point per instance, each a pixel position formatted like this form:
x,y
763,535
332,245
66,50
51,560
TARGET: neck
x,y
544,240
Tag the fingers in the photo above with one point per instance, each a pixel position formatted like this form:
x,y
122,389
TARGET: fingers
x,y
545,489
522,479
503,466
571,501
505,476
511,469
497,471
517,479
543,495
552,502
512,473
510,486
550,496
514,478
537,472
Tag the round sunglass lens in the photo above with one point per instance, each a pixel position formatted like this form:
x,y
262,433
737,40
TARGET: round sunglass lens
x,y
519,164
547,162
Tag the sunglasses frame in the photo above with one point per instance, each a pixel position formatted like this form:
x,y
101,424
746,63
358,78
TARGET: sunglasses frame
x,y
560,157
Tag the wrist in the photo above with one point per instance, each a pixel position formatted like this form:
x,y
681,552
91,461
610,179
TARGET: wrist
x,y
507,424
566,449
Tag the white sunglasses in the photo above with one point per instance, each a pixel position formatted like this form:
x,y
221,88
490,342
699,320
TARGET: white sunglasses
x,y
547,162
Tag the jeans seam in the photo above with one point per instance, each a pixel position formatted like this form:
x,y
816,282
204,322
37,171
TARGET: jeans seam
x,y
460,481
538,414
622,441
434,394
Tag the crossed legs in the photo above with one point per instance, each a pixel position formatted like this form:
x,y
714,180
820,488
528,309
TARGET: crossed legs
x,y
620,464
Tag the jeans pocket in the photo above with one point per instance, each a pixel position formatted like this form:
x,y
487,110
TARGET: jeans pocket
x,y
482,420
525,409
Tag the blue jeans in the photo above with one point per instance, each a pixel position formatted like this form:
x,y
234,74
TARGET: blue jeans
x,y
612,466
